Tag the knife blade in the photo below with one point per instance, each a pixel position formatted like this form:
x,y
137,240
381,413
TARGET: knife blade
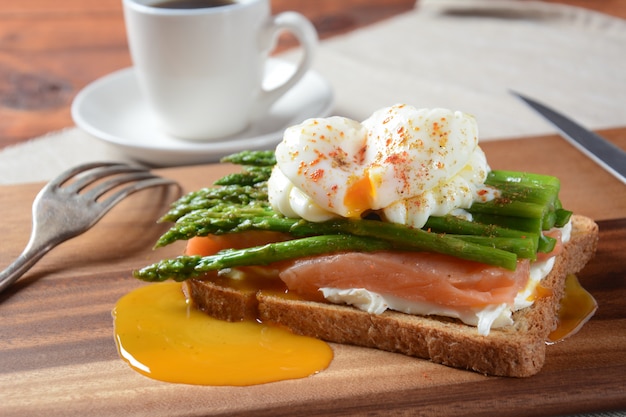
x,y
601,151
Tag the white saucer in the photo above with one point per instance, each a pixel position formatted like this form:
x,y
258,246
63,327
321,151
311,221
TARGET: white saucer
x,y
113,110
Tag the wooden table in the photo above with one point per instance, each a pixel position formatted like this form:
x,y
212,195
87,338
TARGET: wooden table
x,y
50,50
57,355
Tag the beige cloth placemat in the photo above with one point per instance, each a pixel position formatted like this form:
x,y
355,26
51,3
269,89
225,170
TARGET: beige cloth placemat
x,y
467,55
459,54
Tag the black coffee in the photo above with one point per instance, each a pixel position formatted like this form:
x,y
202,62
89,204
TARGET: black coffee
x,y
192,4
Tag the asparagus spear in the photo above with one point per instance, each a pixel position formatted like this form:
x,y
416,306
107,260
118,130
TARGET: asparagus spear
x,y
252,158
184,267
506,229
203,223
525,179
206,198
249,176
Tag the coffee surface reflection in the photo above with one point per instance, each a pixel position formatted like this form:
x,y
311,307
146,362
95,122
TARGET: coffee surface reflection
x,y
192,4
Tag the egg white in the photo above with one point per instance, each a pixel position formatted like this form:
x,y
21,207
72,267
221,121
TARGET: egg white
x,y
405,163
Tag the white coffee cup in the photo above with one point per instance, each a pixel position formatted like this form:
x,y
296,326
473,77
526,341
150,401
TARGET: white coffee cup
x,y
202,69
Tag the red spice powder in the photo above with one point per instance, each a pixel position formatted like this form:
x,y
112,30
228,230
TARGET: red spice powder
x,y
317,175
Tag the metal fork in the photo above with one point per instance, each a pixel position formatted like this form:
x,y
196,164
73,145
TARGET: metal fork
x,y
70,205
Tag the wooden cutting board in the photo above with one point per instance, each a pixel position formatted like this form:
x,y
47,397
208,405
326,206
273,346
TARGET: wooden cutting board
x,y
58,357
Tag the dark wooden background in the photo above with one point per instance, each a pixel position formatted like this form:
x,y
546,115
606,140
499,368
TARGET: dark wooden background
x,y
49,50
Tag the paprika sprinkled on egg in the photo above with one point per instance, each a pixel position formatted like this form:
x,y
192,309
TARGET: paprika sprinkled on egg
x,y
402,162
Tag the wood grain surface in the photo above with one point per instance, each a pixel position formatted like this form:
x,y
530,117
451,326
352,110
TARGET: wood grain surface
x,y
58,356
50,50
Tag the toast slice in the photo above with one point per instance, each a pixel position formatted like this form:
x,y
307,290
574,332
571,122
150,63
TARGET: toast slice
x,y
516,351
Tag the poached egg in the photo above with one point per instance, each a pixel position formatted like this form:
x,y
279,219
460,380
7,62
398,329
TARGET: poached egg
x,y
404,163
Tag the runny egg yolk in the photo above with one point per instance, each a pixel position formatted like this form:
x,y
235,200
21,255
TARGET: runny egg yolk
x,y
577,307
359,196
160,335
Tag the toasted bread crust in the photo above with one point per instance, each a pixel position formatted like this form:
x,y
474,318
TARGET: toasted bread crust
x,y
223,302
516,351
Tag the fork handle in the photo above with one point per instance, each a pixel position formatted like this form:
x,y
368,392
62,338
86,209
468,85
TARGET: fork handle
x,y
29,257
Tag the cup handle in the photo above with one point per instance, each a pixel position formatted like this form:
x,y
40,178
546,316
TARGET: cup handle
x,y
305,33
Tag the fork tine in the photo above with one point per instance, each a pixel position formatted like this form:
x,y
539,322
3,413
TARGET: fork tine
x,y
101,172
72,172
80,211
152,181
116,181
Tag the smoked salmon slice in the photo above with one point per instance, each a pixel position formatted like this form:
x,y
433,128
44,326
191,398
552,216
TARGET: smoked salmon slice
x,y
414,276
